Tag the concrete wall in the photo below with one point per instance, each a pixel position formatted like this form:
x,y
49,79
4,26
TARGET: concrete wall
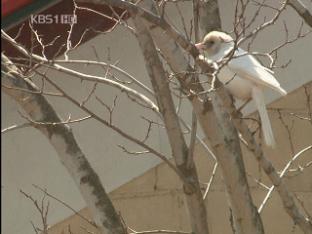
x,y
29,159
155,201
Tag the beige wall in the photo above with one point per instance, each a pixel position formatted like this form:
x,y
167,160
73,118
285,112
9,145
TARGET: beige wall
x,y
154,200
28,158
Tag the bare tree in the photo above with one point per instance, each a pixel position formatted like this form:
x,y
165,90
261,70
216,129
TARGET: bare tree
x,y
161,43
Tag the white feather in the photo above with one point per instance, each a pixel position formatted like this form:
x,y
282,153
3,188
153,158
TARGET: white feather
x,y
245,77
257,96
247,67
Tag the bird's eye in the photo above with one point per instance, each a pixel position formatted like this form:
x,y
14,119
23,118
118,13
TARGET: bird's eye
x,y
210,43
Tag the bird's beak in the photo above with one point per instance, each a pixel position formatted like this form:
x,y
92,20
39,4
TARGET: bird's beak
x,y
200,46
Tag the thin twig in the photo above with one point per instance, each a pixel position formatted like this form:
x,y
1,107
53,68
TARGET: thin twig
x,y
283,173
15,127
210,180
64,204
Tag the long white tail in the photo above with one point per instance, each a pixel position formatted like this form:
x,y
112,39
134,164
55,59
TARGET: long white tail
x,y
258,97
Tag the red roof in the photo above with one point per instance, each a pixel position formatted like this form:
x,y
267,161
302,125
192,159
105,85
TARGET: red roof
x,y
9,6
87,26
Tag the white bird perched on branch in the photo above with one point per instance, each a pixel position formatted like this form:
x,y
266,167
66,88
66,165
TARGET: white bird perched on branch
x,y
243,75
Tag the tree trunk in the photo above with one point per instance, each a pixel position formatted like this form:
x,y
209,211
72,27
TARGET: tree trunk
x,y
221,133
191,187
66,146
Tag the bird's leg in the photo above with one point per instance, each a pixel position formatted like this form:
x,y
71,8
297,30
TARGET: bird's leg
x,y
242,106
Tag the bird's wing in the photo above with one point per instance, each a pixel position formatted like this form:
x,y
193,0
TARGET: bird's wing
x,y
247,67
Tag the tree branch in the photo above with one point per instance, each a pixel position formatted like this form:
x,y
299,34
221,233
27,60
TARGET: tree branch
x,y
209,16
286,196
179,148
15,127
302,10
131,92
178,63
66,146
223,137
283,173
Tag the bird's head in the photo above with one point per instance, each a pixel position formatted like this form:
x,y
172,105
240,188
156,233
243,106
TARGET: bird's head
x,y
213,42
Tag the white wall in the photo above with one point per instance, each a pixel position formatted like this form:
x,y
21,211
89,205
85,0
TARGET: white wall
x,y
29,159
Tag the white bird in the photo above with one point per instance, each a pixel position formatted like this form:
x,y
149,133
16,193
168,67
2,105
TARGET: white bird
x,y
243,76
